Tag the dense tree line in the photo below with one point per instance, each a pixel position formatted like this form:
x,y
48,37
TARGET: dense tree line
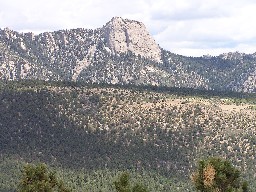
x,y
212,174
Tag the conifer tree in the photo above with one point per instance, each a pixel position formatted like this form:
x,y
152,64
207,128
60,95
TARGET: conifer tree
x,y
123,184
37,178
216,174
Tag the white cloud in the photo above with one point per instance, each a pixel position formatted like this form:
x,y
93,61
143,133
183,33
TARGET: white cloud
x,y
183,26
230,30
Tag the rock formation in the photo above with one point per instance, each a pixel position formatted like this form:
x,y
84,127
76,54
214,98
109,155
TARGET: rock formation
x,y
120,52
124,35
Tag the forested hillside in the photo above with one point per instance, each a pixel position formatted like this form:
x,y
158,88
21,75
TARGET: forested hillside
x,y
88,133
120,52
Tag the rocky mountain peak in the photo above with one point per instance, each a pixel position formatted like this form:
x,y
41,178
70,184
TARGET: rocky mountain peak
x,y
99,56
124,35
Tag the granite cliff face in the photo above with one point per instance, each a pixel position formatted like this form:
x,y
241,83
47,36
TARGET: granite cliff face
x,y
123,35
121,52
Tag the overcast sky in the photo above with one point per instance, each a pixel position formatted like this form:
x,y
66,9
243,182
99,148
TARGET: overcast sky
x,y
187,27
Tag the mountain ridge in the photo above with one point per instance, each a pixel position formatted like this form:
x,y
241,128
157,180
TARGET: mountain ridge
x,y
120,52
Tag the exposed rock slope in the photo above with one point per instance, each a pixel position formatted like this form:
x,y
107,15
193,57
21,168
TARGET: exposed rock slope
x,y
123,35
121,52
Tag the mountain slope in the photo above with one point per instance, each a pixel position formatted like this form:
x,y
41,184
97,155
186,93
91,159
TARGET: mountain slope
x,y
121,52
102,127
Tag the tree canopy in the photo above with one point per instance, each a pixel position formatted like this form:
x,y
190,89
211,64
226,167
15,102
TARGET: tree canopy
x,y
123,184
216,174
37,178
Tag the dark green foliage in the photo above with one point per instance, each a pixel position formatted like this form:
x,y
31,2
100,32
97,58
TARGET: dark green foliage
x,y
216,174
139,188
123,184
37,178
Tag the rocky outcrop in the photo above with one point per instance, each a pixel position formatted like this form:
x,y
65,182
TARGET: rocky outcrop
x,y
120,52
123,35
249,84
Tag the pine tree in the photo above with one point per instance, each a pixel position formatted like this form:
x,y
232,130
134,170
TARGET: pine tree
x,y
216,174
37,178
123,184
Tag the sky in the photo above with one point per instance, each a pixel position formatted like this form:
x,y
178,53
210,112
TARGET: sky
x,y
186,27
